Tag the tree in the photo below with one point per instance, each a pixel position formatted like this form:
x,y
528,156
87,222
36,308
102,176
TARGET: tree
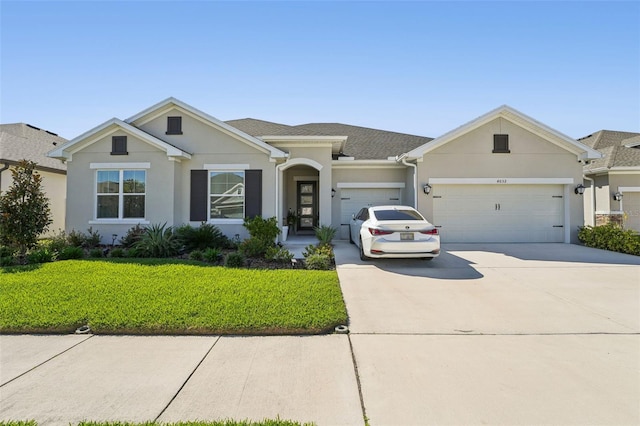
x,y
24,208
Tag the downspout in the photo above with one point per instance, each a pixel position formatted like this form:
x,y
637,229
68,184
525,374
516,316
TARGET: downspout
x,y
403,160
278,169
6,167
593,198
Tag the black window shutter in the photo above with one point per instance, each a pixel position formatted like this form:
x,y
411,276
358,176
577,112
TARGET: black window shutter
x,y
198,208
119,145
501,143
174,125
253,193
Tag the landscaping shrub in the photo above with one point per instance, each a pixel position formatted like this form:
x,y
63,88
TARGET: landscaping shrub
x,y
6,251
235,260
201,238
254,247
262,229
212,255
324,249
92,239
76,238
7,261
278,254
318,261
41,255
610,237
196,255
158,241
325,234
117,252
71,253
95,252
133,253
58,242
132,236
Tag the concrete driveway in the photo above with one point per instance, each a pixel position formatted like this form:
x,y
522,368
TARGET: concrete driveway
x,y
497,334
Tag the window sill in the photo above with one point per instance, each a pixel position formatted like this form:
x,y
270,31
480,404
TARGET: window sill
x,y
172,133
501,152
226,221
119,153
119,222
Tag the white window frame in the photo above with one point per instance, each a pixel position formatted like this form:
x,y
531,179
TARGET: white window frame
x,y
229,168
120,219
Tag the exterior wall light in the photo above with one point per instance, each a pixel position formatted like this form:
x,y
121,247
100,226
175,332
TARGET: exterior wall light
x,y
579,189
426,188
618,196
333,192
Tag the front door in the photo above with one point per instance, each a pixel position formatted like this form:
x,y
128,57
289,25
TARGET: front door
x,y
307,206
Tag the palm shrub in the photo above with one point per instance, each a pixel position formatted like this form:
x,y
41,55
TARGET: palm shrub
x,y
325,234
201,238
157,241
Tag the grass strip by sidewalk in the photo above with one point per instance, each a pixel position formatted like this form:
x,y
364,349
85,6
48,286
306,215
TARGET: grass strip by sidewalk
x,y
154,296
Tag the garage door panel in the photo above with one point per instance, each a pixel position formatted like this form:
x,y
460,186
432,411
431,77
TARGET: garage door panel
x,y
499,213
631,206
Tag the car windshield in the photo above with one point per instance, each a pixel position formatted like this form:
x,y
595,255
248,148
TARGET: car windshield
x,y
397,215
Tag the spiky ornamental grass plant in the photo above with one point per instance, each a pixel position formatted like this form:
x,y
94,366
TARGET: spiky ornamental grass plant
x,y
24,209
158,241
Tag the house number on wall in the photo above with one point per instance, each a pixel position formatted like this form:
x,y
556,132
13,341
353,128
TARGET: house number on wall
x,y
501,181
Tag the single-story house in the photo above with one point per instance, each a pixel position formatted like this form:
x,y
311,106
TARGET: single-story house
x,y
612,183
21,141
502,177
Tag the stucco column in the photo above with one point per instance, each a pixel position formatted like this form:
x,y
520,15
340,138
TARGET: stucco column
x,y
324,196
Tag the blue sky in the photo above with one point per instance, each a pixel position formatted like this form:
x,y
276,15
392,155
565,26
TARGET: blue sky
x,y
414,67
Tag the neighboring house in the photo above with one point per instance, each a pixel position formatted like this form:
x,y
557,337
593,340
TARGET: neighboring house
x,y
615,178
502,177
22,141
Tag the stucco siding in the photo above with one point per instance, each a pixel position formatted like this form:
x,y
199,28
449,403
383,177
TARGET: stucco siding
x,y
470,156
81,186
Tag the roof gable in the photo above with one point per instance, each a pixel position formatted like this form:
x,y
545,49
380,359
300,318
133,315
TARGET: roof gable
x,y
66,151
621,150
161,107
583,152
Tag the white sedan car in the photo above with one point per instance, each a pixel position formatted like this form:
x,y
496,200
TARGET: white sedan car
x,y
393,231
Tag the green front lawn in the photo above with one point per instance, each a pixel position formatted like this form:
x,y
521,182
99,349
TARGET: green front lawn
x,y
151,296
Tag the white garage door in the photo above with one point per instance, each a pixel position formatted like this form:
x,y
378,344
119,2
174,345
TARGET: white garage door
x,y
353,199
631,206
499,213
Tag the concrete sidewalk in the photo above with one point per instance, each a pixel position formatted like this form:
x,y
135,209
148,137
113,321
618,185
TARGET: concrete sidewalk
x,y
58,380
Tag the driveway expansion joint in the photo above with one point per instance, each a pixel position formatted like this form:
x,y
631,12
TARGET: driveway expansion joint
x,y
355,370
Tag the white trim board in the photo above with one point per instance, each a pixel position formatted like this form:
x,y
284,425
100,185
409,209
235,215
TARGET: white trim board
x,y
501,181
624,189
94,166
226,166
370,185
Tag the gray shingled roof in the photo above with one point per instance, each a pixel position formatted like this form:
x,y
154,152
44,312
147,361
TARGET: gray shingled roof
x,y
611,144
20,141
363,143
